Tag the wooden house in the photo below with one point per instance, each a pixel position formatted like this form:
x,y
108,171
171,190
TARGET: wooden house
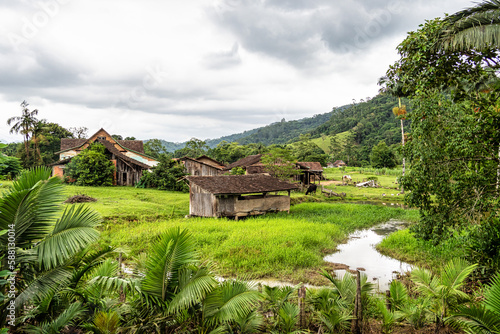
x,y
237,195
127,156
250,164
202,166
310,172
339,163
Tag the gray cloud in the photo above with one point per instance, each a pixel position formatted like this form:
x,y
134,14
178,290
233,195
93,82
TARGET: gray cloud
x,y
297,30
224,59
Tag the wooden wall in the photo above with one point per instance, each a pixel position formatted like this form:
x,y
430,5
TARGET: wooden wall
x,y
199,169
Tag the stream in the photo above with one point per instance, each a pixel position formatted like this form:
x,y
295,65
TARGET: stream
x,y
359,252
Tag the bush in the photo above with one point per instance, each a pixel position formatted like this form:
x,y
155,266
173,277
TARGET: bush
x,y
165,176
91,167
10,167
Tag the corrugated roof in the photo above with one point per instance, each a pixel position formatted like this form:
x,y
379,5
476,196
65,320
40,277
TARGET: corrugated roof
x,y
240,184
312,166
245,162
110,147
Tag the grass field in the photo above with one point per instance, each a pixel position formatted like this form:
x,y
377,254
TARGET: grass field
x,y
281,246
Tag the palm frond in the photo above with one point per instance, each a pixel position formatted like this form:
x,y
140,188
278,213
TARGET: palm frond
x,y
473,28
398,293
195,284
43,286
68,317
72,233
107,322
476,320
454,274
492,296
230,300
32,210
174,250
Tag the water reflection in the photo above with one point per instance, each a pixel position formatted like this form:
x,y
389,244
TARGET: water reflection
x,y
360,252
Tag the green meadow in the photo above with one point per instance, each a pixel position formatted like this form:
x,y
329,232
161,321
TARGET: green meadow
x,y
278,246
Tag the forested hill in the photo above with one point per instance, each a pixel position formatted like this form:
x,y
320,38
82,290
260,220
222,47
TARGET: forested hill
x,y
285,131
275,133
370,122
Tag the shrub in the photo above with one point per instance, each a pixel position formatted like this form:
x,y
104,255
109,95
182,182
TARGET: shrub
x,y
91,167
165,176
10,167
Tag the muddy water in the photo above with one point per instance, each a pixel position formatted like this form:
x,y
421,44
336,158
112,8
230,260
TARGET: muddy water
x,y
360,252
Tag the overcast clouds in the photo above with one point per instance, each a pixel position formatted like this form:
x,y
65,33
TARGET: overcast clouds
x,y
180,69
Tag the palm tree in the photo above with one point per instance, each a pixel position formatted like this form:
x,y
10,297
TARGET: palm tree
x,y
46,240
24,124
473,28
399,111
444,291
178,290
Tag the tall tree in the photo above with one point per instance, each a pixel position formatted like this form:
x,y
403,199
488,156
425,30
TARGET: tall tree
x,y
453,148
24,124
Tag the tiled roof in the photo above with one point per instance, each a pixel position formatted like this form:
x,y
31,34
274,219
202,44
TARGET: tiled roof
x,y
134,145
245,162
240,184
311,166
67,143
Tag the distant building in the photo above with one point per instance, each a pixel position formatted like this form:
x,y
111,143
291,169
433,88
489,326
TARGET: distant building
x,y
310,172
127,156
237,195
250,164
339,163
202,166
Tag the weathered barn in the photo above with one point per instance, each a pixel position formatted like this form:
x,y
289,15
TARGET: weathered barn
x,y
250,164
237,195
202,166
127,156
310,172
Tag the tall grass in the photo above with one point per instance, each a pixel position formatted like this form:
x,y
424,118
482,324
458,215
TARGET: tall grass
x,y
404,246
284,246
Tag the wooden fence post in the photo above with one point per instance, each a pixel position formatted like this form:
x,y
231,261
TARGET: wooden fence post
x,y
358,308
388,299
302,314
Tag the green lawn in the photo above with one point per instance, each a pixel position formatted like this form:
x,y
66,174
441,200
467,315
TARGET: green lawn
x,y
281,246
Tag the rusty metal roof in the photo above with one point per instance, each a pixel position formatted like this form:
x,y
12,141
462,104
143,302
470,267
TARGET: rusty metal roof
x,y
312,166
240,184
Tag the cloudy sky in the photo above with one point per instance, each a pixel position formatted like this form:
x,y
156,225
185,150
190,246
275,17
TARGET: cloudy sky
x,y
179,69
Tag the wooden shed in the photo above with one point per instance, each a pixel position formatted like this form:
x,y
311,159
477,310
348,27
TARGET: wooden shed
x,y
202,166
237,195
310,172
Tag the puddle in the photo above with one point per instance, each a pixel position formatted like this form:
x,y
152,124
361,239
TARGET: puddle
x,y
360,252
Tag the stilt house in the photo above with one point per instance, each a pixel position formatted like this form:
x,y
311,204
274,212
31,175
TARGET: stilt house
x,y
237,195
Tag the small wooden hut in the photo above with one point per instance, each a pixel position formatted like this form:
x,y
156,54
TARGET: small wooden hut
x,y
202,166
237,195
310,172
